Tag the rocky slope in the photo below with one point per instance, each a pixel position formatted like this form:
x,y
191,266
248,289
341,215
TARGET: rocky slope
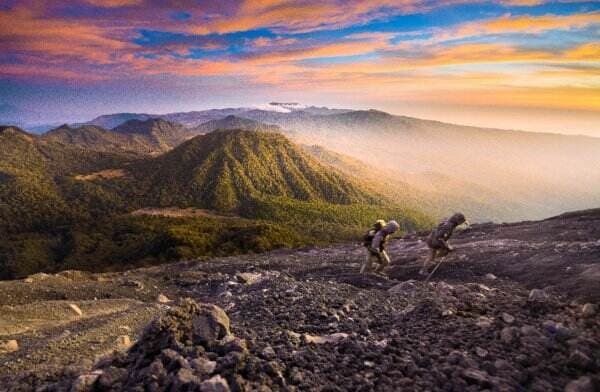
x,y
514,308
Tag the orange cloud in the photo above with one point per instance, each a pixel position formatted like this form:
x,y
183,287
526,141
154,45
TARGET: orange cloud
x,y
115,3
521,24
25,32
587,52
321,51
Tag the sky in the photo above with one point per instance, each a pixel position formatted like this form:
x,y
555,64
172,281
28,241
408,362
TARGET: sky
x,y
519,64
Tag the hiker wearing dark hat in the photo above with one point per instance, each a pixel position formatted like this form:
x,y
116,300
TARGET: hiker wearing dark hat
x,y
438,239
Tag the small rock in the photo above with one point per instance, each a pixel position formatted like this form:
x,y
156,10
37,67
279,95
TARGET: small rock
x,y
477,376
204,366
163,299
215,384
509,335
537,295
528,330
28,280
502,364
9,346
580,360
249,277
268,353
589,310
134,283
85,382
333,338
455,357
481,353
557,329
490,276
484,322
123,342
369,364
76,309
110,376
508,318
184,378
582,384
447,312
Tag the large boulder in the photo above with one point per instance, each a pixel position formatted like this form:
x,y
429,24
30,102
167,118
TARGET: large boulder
x,y
210,325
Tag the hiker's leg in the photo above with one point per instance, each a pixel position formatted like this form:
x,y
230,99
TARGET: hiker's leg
x,y
384,261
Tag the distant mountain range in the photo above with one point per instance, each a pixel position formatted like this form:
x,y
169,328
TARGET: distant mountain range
x,y
151,136
490,174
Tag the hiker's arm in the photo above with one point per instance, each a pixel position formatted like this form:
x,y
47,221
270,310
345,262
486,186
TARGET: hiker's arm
x,y
376,243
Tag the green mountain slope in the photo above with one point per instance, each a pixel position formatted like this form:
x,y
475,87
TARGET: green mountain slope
x,y
68,207
224,170
35,186
152,136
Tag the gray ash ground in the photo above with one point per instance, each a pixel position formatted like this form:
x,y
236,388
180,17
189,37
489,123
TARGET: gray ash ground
x,y
305,320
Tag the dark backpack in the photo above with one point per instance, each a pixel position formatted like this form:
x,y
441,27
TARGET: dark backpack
x,y
368,237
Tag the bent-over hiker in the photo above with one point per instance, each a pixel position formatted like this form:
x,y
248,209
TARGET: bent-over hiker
x,y
438,239
376,249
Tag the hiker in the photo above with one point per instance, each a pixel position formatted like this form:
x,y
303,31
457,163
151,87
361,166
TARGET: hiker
x,y
376,249
438,239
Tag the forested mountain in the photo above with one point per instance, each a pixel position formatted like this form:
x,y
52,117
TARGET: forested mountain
x,y
234,122
493,174
151,136
72,207
225,169
35,180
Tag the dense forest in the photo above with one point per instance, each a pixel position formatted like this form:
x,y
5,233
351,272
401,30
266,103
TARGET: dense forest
x,y
66,207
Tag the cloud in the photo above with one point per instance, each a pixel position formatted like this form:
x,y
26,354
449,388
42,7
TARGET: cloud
x,y
521,24
114,3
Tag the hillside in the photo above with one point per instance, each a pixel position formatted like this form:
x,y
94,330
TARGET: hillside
x,y
514,308
70,207
225,170
151,136
233,122
494,174
505,169
33,180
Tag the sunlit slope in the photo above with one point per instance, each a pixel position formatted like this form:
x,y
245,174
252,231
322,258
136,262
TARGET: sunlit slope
x,y
223,170
526,174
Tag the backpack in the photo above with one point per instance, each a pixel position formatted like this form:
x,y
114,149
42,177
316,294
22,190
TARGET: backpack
x,y
368,237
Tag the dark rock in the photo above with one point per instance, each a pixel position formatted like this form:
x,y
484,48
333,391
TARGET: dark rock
x,y
509,335
477,377
537,295
215,384
582,384
589,310
580,360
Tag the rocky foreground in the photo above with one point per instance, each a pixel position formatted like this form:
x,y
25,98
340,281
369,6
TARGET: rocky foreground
x,y
514,308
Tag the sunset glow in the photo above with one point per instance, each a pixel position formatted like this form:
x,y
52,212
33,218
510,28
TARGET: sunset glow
x,y
532,65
